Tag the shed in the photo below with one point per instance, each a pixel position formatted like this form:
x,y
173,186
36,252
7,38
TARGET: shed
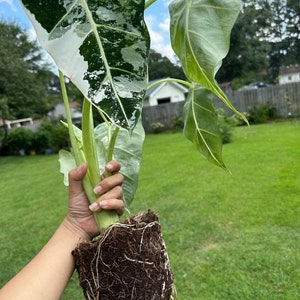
x,y
165,92
289,74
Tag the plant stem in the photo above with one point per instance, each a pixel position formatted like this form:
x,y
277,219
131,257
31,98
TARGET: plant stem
x,y
76,151
112,143
186,83
103,218
111,146
88,141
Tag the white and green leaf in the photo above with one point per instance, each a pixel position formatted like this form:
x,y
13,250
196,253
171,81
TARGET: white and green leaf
x,y
102,46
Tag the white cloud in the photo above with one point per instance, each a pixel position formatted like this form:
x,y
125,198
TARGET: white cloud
x,y
10,3
165,25
31,34
159,35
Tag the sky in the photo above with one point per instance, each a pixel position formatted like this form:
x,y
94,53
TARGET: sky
x,y
156,16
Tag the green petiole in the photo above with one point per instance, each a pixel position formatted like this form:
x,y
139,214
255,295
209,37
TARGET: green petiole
x,y
86,152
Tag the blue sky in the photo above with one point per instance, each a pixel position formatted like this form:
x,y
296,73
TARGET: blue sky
x,y
157,19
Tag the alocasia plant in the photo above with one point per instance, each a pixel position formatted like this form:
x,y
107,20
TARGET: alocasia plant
x,y
102,47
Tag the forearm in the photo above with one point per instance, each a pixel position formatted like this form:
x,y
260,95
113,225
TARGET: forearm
x,y
47,275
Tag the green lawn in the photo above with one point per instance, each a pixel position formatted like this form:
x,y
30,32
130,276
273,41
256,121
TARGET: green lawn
x,y
228,236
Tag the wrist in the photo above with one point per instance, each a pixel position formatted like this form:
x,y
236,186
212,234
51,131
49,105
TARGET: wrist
x,y
75,230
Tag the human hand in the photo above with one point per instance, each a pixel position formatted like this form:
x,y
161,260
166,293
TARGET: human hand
x,y
80,215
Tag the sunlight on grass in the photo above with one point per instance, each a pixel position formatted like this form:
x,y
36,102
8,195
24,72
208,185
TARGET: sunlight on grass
x,y
228,236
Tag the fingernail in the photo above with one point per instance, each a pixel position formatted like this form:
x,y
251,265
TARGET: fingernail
x,y
104,204
109,166
93,206
81,166
98,190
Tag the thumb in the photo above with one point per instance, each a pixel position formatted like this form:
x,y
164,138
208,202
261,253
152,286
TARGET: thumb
x,y
75,178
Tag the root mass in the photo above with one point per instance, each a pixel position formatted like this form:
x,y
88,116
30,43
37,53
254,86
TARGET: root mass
x,y
129,261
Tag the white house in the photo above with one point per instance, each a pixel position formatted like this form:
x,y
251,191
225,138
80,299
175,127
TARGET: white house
x,y
289,74
165,92
59,111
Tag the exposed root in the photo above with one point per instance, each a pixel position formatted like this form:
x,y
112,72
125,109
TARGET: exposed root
x,y
129,261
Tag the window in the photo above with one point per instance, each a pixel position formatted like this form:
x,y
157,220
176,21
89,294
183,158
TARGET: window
x,y
163,100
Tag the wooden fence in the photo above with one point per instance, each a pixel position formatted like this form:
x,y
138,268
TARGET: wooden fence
x,y
285,98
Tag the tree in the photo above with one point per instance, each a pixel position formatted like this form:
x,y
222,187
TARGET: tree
x,y
161,67
248,52
3,129
284,36
24,79
265,37
293,28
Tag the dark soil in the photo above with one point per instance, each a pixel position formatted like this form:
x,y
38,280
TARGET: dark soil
x,y
129,261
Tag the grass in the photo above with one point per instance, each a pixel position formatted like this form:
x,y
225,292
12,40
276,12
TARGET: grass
x,y
228,236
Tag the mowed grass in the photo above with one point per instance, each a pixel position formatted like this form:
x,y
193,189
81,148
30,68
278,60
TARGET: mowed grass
x,y
228,236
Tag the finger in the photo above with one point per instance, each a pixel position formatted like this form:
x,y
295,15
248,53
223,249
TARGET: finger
x,y
113,204
75,178
116,192
109,183
113,167
109,204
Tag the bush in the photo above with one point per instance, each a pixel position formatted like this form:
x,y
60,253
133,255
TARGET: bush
x,y
50,137
262,114
226,125
20,141
157,127
177,124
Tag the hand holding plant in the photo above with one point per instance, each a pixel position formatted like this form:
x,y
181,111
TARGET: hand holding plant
x,y
80,215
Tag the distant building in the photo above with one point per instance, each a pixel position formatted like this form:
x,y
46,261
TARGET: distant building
x,y
226,87
11,124
289,74
59,111
165,92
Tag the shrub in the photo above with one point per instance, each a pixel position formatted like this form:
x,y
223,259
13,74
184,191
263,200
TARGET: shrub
x,y
262,114
157,127
60,138
41,140
177,123
52,136
20,140
226,125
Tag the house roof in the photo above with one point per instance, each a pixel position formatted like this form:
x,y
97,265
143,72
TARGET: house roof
x,y
289,70
157,87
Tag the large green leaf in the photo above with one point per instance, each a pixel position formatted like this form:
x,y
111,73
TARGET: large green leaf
x,y
201,124
127,151
200,36
102,46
